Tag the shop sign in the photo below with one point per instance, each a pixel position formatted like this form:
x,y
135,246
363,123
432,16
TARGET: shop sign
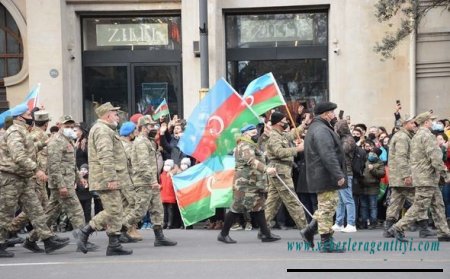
x,y
271,30
145,34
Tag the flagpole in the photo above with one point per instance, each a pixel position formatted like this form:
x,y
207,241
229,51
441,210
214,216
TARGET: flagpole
x,y
287,109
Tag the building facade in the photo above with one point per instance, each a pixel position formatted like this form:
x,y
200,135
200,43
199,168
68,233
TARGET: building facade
x,y
135,53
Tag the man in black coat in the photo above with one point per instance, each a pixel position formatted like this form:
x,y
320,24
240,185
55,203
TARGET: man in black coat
x,y
325,174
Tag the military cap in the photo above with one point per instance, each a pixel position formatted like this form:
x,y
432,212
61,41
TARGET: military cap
x,y
41,116
247,128
421,118
135,117
145,120
276,117
19,110
127,128
65,119
105,108
324,107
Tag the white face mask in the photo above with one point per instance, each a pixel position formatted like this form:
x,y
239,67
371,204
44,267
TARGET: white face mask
x,y
183,167
70,133
167,168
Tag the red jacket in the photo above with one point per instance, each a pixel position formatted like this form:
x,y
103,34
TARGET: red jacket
x,y
167,192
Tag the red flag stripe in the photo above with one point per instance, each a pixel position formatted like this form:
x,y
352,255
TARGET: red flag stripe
x,y
265,94
162,108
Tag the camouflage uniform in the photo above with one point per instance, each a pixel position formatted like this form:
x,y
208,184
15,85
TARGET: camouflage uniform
x,y
281,156
250,182
17,167
107,162
128,191
399,169
39,138
426,168
63,174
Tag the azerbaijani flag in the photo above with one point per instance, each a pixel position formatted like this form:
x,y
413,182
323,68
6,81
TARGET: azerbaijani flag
x,y
161,110
203,187
263,94
32,99
215,123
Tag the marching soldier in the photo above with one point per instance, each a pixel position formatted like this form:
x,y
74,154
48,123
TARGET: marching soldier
x,y
17,167
281,156
249,186
145,178
426,168
108,174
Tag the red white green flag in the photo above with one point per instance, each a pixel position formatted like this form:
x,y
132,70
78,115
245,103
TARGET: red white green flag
x,y
161,110
263,94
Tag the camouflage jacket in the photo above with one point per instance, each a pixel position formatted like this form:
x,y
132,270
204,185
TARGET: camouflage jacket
x,y
279,151
249,175
17,151
62,168
143,161
399,158
128,146
39,138
107,158
426,159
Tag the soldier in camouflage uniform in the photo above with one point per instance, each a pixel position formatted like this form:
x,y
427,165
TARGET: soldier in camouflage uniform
x,y
145,178
249,186
108,173
400,178
426,168
281,156
17,167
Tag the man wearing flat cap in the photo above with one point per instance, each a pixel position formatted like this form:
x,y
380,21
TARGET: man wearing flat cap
x,y
249,186
108,172
325,175
280,154
18,164
427,168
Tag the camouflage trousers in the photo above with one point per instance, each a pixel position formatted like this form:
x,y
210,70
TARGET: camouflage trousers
x,y
326,207
111,217
15,191
69,205
130,207
22,219
426,198
244,202
278,193
141,203
155,208
399,195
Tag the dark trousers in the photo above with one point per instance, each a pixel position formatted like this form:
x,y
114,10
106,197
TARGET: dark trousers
x,y
87,209
309,200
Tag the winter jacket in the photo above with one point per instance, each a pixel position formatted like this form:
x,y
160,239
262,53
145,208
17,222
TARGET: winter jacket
x,y
371,179
167,191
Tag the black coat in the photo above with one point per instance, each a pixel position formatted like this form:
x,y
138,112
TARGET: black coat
x,y
325,160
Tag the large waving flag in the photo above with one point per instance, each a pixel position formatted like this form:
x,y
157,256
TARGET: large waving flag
x,y
203,187
215,122
33,97
263,94
161,110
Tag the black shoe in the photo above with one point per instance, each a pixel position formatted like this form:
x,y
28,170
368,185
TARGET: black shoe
x,y
399,235
387,225
82,236
4,253
444,238
115,248
32,246
160,239
14,239
91,247
309,232
225,239
272,237
52,244
424,231
327,244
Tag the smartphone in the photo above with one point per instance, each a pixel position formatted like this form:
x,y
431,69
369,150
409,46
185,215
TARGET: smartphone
x,y
341,114
397,102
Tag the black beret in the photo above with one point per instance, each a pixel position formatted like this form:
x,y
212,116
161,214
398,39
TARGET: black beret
x,y
276,117
324,107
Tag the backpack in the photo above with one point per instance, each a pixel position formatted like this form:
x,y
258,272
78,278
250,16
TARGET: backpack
x,y
359,162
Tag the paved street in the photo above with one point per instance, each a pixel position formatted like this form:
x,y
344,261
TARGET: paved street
x,y
199,255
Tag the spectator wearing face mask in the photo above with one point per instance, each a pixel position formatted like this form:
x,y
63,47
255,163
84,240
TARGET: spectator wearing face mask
x,y
168,196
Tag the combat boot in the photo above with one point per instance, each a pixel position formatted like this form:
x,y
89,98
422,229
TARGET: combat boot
x,y
309,232
444,238
265,235
82,236
125,237
225,239
399,235
424,231
52,244
160,239
115,248
327,244
3,252
133,232
32,246
387,225
14,239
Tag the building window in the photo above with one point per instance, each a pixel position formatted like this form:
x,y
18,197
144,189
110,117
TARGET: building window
x,y
11,47
291,45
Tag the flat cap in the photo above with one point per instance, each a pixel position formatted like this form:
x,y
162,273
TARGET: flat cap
x,y
41,116
324,107
247,128
105,108
424,116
